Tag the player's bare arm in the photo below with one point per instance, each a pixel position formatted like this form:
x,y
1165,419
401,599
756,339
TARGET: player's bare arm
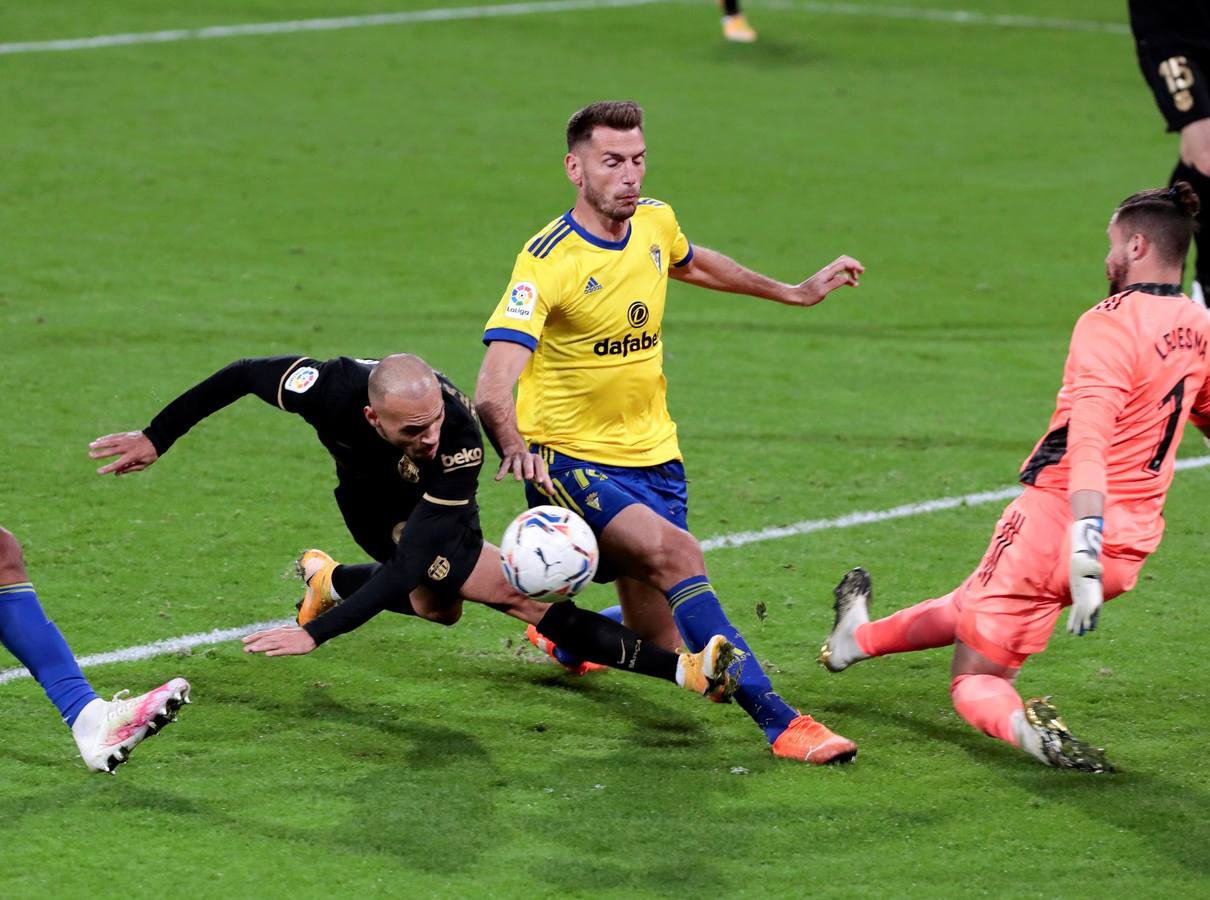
x,y
133,449
711,269
502,366
286,640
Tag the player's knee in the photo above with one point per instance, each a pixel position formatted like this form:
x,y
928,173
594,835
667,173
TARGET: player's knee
x,y
11,558
443,615
675,553
1199,158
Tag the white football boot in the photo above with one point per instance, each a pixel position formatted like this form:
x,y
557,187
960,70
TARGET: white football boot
x,y
107,730
852,608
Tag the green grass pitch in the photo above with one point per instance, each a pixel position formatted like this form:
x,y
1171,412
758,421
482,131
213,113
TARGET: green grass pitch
x,y
167,208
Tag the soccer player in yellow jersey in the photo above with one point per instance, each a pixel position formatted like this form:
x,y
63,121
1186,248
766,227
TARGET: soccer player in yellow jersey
x,y
580,325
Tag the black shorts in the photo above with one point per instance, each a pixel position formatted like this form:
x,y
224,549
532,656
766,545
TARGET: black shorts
x,y
1177,73
442,557
375,513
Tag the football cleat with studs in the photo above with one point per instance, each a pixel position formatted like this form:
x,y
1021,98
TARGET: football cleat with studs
x,y
737,30
1041,733
705,672
810,741
315,568
852,607
106,731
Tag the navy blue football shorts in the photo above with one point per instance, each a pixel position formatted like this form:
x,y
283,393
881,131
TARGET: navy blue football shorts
x,y
599,492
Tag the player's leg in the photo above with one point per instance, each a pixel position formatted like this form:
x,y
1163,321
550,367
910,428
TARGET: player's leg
x,y
29,635
566,658
639,517
598,639
981,688
931,623
735,23
105,731
645,609
1194,167
375,521
1006,614
983,693
652,549
1177,77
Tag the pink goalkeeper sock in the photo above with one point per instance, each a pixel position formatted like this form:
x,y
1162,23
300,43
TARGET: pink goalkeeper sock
x,y
932,623
987,702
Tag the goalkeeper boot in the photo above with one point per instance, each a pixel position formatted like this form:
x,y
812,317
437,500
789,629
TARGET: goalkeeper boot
x,y
315,568
568,662
1042,734
107,730
809,741
705,672
852,608
737,30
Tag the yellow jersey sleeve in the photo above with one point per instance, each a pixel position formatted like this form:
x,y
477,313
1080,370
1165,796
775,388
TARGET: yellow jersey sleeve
x,y
533,291
682,250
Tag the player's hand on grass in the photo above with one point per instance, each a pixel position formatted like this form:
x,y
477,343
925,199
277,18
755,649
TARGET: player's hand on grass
x,y
1086,568
133,449
526,466
844,270
287,640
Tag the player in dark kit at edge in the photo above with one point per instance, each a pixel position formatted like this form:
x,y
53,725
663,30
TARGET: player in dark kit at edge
x,y
1172,38
415,513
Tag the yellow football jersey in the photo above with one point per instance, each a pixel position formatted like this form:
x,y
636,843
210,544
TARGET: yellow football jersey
x,y
591,311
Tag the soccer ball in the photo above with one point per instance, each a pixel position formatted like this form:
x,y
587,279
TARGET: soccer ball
x,y
549,551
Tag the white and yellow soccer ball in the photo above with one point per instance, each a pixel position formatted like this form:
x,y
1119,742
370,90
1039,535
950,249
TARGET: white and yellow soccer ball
x,y
549,551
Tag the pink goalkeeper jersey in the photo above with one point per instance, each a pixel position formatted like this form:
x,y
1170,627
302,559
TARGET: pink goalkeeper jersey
x,y
1137,367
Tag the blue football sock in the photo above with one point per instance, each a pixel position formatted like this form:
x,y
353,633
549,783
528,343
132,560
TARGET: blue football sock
x,y
30,636
568,659
700,616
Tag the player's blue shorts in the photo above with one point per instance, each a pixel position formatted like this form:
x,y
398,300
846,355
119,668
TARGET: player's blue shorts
x,y
598,492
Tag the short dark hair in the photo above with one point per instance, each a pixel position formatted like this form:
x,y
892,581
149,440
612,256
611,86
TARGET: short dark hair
x,y
621,115
1165,216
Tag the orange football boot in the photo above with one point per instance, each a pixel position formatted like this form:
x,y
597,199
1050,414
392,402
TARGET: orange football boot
x,y
809,741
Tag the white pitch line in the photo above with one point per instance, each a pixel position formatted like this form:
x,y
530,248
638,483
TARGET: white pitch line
x,y
448,14
725,541
342,23
146,651
950,16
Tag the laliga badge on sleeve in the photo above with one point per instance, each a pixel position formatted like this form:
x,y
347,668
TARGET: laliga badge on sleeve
x,y
521,301
300,380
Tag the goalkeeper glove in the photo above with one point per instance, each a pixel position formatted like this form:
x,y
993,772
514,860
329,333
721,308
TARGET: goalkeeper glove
x,y
1086,569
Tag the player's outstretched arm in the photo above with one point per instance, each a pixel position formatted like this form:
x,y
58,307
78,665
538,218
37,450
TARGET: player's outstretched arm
x,y
133,449
502,366
711,269
136,450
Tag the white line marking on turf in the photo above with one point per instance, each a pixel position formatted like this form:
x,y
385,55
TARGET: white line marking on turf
x,y
378,20
899,512
453,13
742,538
171,645
951,16
739,539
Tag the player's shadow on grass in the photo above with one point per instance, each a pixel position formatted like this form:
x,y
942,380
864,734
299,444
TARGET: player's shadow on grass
x,y
424,799
655,724
1167,814
653,764
768,53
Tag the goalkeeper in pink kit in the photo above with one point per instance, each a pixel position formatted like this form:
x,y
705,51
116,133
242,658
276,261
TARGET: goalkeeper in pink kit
x,y
1092,509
